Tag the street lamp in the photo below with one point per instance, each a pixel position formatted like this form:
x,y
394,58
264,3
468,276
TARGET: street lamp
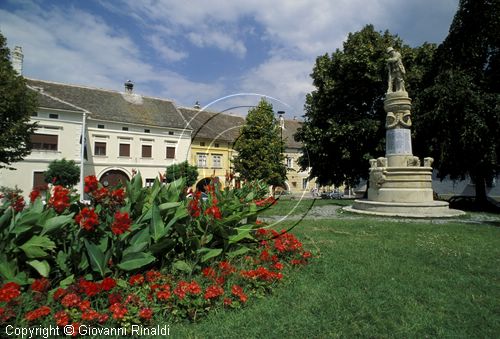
x,y
282,126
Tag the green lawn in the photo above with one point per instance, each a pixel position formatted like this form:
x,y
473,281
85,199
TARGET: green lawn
x,y
287,206
377,278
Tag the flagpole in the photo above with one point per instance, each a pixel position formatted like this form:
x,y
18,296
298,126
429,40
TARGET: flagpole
x,y
82,156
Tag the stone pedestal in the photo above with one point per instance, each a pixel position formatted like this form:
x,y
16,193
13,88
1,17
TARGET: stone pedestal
x,y
400,185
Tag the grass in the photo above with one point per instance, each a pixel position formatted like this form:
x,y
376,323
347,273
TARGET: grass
x,y
377,278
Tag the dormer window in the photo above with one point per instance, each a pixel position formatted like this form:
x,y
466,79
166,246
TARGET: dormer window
x,y
53,116
147,130
100,126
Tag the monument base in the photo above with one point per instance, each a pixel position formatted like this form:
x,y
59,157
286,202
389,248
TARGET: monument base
x,y
431,209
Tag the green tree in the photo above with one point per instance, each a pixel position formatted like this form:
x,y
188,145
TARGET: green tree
x,y
458,112
260,148
17,103
62,172
344,123
182,170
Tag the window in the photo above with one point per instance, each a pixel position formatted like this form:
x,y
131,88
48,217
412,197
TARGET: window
x,y
170,133
217,161
124,150
289,162
201,160
216,144
294,184
45,142
34,114
124,128
99,148
100,126
202,143
146,151
150,182
304,183
147,131
39,181
170,152
53,116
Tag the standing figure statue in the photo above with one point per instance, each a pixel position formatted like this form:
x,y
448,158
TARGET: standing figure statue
x,y
396,82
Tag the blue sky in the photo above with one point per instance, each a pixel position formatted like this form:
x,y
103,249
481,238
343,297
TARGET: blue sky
x,y
204,50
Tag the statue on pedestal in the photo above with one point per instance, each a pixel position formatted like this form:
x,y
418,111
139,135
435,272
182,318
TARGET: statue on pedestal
x,y
397,71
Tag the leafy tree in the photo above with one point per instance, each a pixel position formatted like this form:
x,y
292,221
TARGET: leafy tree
x,y
260,148
182,170
344,123
62,172
458,112
17,103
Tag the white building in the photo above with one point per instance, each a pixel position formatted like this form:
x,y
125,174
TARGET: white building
x,y
124,132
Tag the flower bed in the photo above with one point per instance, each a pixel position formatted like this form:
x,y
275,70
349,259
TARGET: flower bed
x,y
137,255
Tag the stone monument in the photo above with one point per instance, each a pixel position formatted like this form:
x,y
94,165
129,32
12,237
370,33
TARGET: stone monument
x,y
399,185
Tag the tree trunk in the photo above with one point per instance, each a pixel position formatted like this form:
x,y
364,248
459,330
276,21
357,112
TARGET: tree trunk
x,y
481,197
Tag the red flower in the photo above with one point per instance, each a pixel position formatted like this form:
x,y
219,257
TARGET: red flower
x,y
214,211
108,284
70,300
84,305
100,194
228,301
194,205
60,292
90,315
278,266
266,202
114,298
91,183
90,288
163,292
40,285
209,272
61,318
306,255
238,291
152,275
38,313
59,199
118,195
145,313
17,203
33,195
9,291
137,279
194,288
121,224
118,311
226,268
213,291
87,219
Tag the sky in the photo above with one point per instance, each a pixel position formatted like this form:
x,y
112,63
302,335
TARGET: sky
x,y
221,53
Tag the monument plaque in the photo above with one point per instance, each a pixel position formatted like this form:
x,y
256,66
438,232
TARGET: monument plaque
x,y
398,142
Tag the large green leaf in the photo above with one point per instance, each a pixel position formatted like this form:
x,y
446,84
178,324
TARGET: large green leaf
x,y
209,253
5,217
42,267
37,246
55,223
156,227
96,257
7,269
182,266
134,261
169,205
241,250
243,232
138,247
163,246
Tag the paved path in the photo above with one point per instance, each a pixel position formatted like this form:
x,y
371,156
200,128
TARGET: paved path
x,y
335,212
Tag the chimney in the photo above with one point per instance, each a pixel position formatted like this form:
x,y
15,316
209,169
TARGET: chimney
x,y
197,105
129,86
17,59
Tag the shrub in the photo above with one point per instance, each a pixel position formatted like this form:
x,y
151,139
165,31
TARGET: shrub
x,y
62,172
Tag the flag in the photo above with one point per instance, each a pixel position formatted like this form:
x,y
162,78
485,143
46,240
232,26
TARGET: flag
x,y
84,147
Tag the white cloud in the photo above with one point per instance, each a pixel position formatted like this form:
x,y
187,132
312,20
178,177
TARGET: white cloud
x,y
169,54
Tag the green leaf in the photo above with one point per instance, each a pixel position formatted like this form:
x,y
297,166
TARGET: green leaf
x,y
4,219
157,227
41,267
209,253
55,223
61,261
134,261
135,248
67,282
162,247
169,205
96,258
239,251
182,266
140,236
243,232
37,245
7,269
